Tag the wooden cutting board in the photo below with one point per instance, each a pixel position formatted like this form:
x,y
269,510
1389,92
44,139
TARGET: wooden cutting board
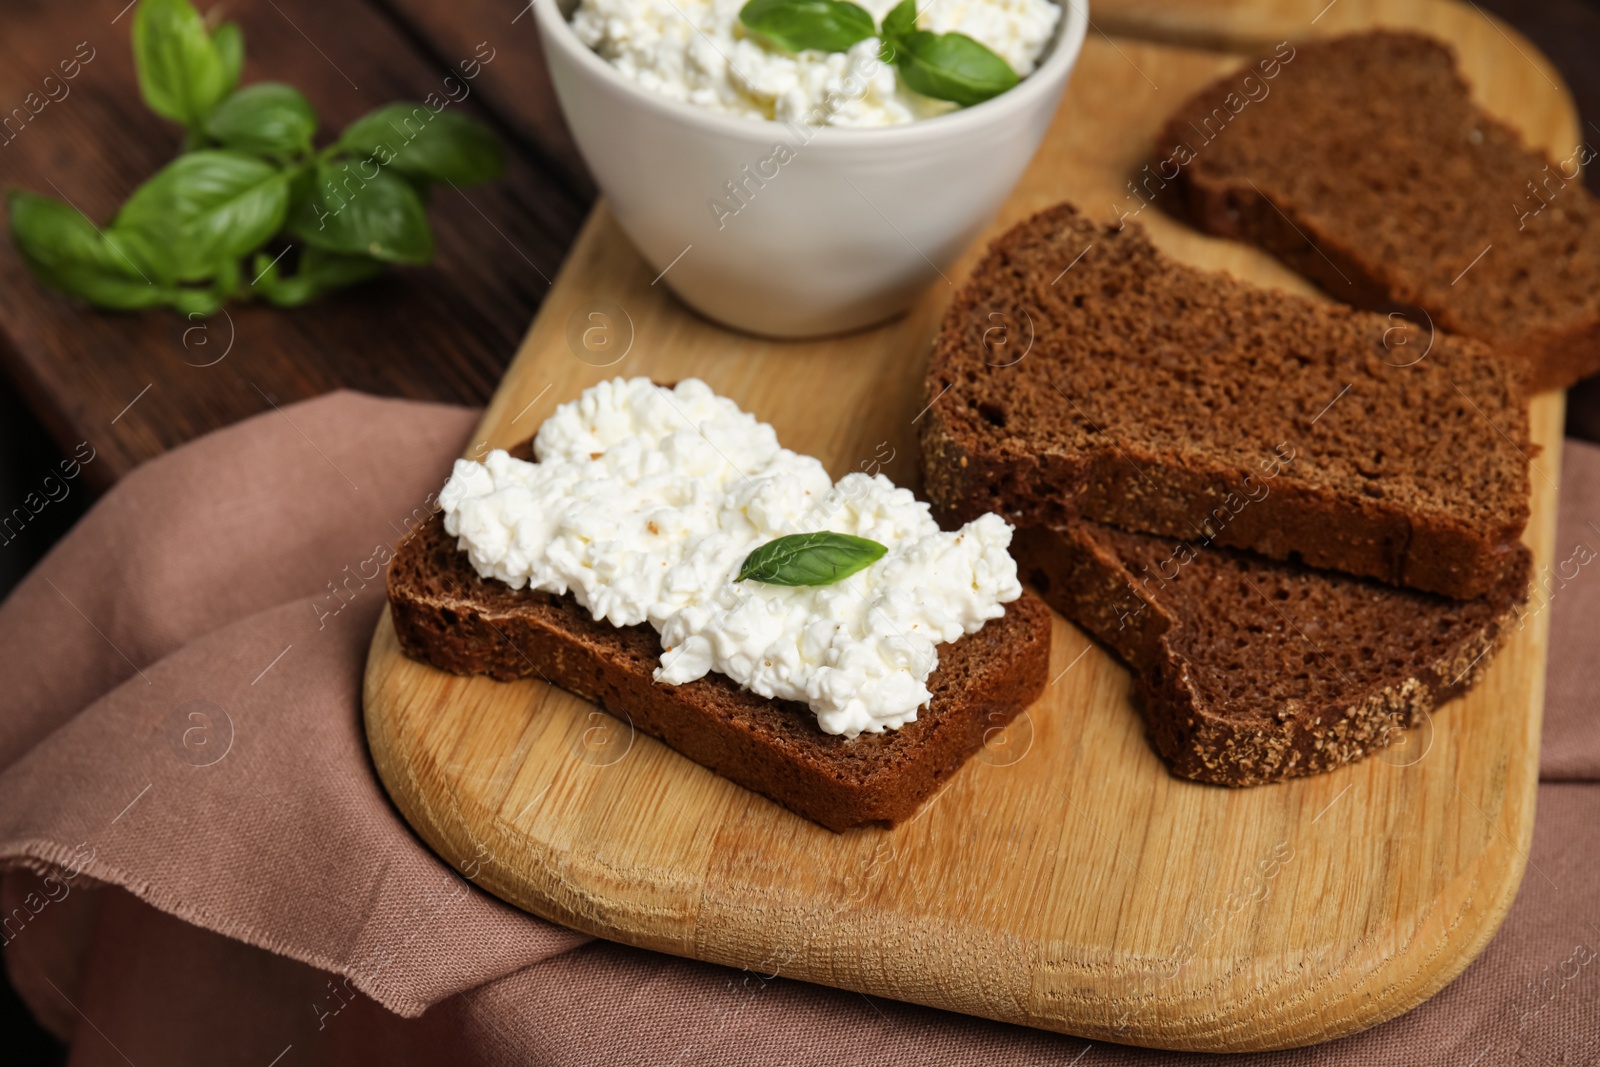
x,y
1062,880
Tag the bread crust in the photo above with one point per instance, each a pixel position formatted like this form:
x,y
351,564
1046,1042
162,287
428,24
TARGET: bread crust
x,y
447,616
1153,626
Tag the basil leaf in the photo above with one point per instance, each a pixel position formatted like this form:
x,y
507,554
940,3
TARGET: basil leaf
x,y
149,260
228,40
419,143
208,206
68,253
200,302
61,247
379,216
901,20
53,234
331,270
109,291
318,273
797,25
267,119
181,75
809,559
950,66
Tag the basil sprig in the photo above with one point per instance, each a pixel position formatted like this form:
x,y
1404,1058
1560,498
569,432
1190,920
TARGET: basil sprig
x,y
250,188
809,559
945,66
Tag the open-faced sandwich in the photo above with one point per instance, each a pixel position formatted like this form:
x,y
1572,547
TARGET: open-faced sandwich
x,y
655,550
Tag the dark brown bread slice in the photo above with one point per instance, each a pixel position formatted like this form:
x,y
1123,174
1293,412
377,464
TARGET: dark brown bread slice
x,y
1081,373
1367,168
1251,671
446,615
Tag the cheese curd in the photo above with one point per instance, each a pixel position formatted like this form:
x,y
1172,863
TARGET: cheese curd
x,y
698,51
644,504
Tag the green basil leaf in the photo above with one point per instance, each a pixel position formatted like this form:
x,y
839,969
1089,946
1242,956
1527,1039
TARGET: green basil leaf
x,y
809,559
349,211
797,25
271,284
53,234
319,272
181,75
950,66
65,251
189,302
109,291
302,187
151,261
208,206
901,20
267,119
419,143
332,270
227,278
228,40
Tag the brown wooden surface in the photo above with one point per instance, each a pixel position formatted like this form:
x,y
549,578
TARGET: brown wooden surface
x,y
1063,879
520,90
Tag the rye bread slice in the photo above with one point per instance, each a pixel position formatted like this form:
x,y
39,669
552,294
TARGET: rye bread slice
x,y
1251,671
1367,168
1082,373
446,615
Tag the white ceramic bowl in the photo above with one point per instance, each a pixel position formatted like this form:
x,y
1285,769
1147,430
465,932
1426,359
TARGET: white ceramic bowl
x,y
847,233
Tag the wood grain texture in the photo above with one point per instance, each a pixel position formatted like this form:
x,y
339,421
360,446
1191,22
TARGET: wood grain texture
x,y
518,90
1251,25
1063,879
444,332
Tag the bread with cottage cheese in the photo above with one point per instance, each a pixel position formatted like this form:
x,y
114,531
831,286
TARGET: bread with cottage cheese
x,y
448,616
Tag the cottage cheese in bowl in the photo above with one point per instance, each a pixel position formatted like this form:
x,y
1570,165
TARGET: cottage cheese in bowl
x,y
698,51
808,226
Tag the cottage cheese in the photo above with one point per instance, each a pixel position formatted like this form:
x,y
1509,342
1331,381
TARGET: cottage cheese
x,y
699,52
644,504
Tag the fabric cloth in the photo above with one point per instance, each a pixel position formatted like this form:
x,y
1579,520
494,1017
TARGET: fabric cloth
x,y
203,868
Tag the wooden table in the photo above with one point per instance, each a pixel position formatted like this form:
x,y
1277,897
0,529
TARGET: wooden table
x,y
135,385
